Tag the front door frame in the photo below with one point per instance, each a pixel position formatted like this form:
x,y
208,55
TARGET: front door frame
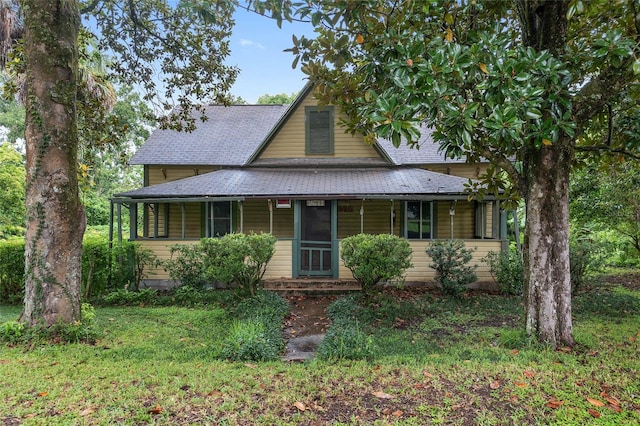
x,y
297,238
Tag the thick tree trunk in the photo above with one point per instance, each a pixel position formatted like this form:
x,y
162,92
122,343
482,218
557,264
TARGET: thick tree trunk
x,y
548,287
55,218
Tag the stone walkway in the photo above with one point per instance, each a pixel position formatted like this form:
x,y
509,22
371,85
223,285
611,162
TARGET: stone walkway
x,y
306,326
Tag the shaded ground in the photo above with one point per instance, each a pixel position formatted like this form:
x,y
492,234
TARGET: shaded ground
x,y
308,315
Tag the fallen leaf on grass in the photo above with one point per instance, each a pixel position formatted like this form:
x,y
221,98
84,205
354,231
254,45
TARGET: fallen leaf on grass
x,y
595,402
4,361
427,374
156,410
594,413
215,393
300,406
41,394
382,395
30,415
495,385
520,384
87,411
397,413
615,408
250,365
515,352
529,374
554,403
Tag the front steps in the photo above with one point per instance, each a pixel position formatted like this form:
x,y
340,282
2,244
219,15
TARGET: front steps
x,y
310,285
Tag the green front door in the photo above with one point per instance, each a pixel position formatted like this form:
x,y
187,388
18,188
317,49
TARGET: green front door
x,y
317,235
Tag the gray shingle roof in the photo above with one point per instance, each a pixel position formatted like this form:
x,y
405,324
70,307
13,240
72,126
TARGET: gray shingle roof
x,y
427,153
228,138
256,182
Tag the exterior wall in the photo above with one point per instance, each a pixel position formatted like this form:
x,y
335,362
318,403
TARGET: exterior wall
x,y
256,218
280,264
290,140
155,174
470,171
376,217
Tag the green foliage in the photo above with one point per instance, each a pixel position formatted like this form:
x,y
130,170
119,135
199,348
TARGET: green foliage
x,y
249,340
346,341
507,270
450,260
11,332
256,335
375,258
281,98
238,258
186,265
12,197
585,257
96,265
124,297
11,271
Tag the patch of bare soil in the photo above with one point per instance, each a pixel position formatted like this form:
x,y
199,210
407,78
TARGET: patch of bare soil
x,y
308,315
628,280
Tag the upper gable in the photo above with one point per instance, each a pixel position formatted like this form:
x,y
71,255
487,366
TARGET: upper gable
x,y
291,139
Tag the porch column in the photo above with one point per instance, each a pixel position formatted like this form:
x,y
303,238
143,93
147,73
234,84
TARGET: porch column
x,y
362,217
391,218
452,212
184,225
270,216
241,208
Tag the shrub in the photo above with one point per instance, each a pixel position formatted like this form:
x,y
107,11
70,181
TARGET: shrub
x,y
96,265
257,334
186,265
450,261
507,270
238,258
375,258
11,331
12,271
584,257
124,297
346,340
249,340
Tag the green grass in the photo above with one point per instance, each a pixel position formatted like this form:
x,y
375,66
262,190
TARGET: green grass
x,y
437,360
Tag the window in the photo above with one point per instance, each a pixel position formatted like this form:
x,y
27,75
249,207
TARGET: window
x,y
319,130
419,223
218,218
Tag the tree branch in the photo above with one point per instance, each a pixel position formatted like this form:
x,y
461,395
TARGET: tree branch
x,y
607,149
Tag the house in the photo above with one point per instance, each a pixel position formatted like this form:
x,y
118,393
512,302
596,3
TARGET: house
x,y
292,171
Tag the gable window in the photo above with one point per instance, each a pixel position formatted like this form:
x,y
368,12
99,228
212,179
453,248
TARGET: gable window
x,y
218,218
419,220
319,130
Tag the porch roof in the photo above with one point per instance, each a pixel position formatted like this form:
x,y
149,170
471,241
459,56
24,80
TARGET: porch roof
x,y
308,183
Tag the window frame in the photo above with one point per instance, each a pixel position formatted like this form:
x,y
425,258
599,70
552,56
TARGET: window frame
x,y
309,143
421,221
210,219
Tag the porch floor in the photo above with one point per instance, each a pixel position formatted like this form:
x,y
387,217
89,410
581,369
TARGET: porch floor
x,y
310,285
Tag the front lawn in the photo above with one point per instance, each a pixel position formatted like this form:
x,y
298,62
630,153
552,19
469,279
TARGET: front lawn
x,y
433,360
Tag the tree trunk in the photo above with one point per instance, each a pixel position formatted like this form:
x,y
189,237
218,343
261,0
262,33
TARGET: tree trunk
x,y
55,218
548,286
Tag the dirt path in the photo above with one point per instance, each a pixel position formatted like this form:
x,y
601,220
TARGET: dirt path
x,y
306,325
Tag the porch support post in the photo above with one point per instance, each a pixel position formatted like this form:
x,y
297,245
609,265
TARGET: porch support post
x,y
452,212
391,219
270,216
110,224
133,221
241,207
335,246
362,217
184,225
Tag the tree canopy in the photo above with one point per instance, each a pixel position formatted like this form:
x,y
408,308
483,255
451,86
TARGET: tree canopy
x,y
524,84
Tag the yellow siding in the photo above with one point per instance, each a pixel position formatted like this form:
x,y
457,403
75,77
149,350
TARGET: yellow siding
x,y
256,218
290,140
471,171
280,264
156,174
376,217
192,216
463,220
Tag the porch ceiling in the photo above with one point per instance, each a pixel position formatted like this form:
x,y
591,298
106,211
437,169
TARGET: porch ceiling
x,y
307,183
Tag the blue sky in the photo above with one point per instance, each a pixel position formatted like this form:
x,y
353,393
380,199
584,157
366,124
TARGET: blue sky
x,y
257,46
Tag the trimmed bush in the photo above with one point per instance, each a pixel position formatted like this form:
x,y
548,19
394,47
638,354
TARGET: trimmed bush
x,y
12,271
186,265
507,270
450,261
238,258
375,258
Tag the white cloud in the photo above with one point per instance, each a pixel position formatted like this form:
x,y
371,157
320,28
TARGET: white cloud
x,y
250,43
